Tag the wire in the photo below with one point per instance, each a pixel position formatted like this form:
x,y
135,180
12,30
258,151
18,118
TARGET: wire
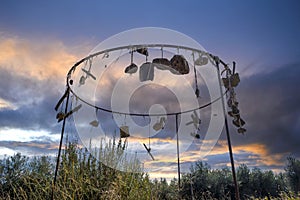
x,y
149,131
146,115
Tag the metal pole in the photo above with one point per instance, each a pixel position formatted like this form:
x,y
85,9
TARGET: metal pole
x,y
178,159
237,195
60,143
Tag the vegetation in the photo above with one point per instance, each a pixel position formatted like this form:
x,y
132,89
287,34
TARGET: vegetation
x,y
81,176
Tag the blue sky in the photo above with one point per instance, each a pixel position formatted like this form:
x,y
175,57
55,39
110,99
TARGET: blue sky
x,y
40,40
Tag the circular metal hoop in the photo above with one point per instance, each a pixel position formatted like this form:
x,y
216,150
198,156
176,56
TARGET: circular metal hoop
x,y
212,58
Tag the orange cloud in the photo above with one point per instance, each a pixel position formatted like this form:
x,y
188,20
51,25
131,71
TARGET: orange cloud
x,y
38,59
257,151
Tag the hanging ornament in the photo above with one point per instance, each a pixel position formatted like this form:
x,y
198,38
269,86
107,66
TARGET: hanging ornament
x,y
160,124
200,61
94,123
197,91
238,122
132,68
88,73
148,151
162,63
105,55
195,135
234,81
124,131
180,64
241,130
74,110
143,51
195,120
82,80
60,116
146,72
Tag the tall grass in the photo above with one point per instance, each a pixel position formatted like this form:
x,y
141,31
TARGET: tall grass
x,y
82,176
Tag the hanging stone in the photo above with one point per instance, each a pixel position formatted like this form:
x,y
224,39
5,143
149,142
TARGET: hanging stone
x,y
94,123
131,69
239,122
195,135
147,72
234,80
201,61
143,51
162,63
180,64
160,125
82,80
241,130
60,116
197,93
124,132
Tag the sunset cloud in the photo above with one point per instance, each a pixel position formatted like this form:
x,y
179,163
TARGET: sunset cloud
x,y
40,60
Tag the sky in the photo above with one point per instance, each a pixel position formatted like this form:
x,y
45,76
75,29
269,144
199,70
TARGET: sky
x,y
41,40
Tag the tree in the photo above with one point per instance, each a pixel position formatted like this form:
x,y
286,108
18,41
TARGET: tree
x,y
256,182
243,177
196,182
221,183
268,184
293,173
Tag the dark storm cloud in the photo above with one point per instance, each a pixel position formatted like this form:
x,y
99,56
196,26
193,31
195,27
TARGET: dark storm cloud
x,y
269,104
34,100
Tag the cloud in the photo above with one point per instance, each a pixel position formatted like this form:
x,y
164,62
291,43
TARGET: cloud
x,y
5,105
33,101
30,148
269,103
35,59
32,76
9,134
32,79
253,154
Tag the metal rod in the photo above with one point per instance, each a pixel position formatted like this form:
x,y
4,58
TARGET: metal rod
x,y
237,195
178,159
60,143
146,115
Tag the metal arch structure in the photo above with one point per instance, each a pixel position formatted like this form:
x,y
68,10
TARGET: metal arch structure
x,y
226,82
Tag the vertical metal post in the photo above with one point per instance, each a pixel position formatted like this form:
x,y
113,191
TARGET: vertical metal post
x,y
237,195
178,159
60,143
